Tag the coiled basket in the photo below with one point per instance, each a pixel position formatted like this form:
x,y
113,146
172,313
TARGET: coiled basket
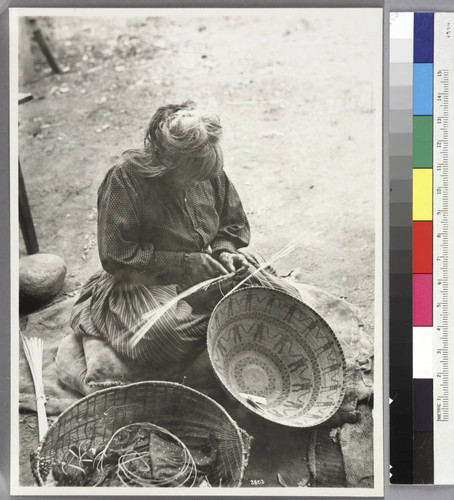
x,y
185,412
277,356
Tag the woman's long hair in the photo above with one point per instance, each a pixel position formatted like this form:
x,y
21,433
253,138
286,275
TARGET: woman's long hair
x,y
180,135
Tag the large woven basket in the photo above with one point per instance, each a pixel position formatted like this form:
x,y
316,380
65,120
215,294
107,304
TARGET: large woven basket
x,y
277,356
187,413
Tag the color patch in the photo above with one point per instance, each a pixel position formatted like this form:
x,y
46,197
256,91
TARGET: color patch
x,y
423,449
422,246
401,237
401,215
422,352
422,300
402,26
401,75
400,191
422,141
401,263
400,144
423,89
400,51
400,167
422,194
423,48
422,405
400,122
401,98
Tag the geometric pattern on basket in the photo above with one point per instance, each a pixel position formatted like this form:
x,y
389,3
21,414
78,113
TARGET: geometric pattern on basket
x,y
190,415
264,343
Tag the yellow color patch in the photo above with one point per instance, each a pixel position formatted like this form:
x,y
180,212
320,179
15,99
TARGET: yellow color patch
x,y
422,194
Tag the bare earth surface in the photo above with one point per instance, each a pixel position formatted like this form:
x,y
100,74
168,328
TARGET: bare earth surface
x,y
297,100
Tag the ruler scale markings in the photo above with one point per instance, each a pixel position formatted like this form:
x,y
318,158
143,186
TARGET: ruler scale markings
x,y
443,357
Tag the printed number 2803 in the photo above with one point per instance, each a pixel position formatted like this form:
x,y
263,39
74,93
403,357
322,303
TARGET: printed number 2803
x,y
257,482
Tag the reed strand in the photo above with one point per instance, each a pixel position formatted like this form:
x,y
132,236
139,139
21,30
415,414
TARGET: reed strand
x,y
150,318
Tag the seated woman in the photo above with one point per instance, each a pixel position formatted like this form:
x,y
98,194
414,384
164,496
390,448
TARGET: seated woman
x,y
168,217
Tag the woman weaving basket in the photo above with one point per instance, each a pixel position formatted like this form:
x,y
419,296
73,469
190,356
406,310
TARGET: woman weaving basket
x,y
168,218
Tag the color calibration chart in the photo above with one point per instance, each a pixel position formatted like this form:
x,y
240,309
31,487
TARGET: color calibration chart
x,y
421,147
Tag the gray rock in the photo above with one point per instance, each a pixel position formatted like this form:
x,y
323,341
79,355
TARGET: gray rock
x,y
41,277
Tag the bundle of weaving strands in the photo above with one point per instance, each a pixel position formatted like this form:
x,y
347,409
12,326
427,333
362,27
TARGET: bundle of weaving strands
x,y
33,349
257,276
137,455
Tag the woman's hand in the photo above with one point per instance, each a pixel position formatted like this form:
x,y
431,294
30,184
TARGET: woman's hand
x,y
235,263
200,267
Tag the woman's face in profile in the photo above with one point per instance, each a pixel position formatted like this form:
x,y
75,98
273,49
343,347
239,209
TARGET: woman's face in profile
x,y
180,178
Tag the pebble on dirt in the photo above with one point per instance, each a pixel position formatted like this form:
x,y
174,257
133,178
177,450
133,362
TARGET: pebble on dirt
x,y
41,277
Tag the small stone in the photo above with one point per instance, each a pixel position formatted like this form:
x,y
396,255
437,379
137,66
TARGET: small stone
x,y
41,277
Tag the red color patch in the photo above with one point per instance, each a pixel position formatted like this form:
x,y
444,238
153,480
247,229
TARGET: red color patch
x,y
422,246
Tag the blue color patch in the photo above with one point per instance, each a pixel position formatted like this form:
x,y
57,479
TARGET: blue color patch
x,y
423,41
422,89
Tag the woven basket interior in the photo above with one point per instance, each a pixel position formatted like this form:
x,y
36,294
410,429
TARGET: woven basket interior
x,y
186,413
277,356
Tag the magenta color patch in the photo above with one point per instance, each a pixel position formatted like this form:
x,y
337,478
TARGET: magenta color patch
x,y
422,300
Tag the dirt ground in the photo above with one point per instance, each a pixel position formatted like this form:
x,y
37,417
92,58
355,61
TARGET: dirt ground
x,y
297,100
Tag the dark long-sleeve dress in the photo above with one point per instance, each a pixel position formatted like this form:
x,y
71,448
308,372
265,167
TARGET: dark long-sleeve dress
x,y
144,230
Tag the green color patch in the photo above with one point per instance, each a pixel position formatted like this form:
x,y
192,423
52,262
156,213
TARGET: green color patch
x,y
422,141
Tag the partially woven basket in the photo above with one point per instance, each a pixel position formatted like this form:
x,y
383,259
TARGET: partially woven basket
x,y
185,412
277,356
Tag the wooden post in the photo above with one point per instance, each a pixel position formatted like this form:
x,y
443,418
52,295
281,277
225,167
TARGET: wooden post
x,y
26,61
38,36
25,218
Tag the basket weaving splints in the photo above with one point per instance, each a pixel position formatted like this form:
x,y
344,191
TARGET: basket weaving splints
x,y
137,455
107,439
151,317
